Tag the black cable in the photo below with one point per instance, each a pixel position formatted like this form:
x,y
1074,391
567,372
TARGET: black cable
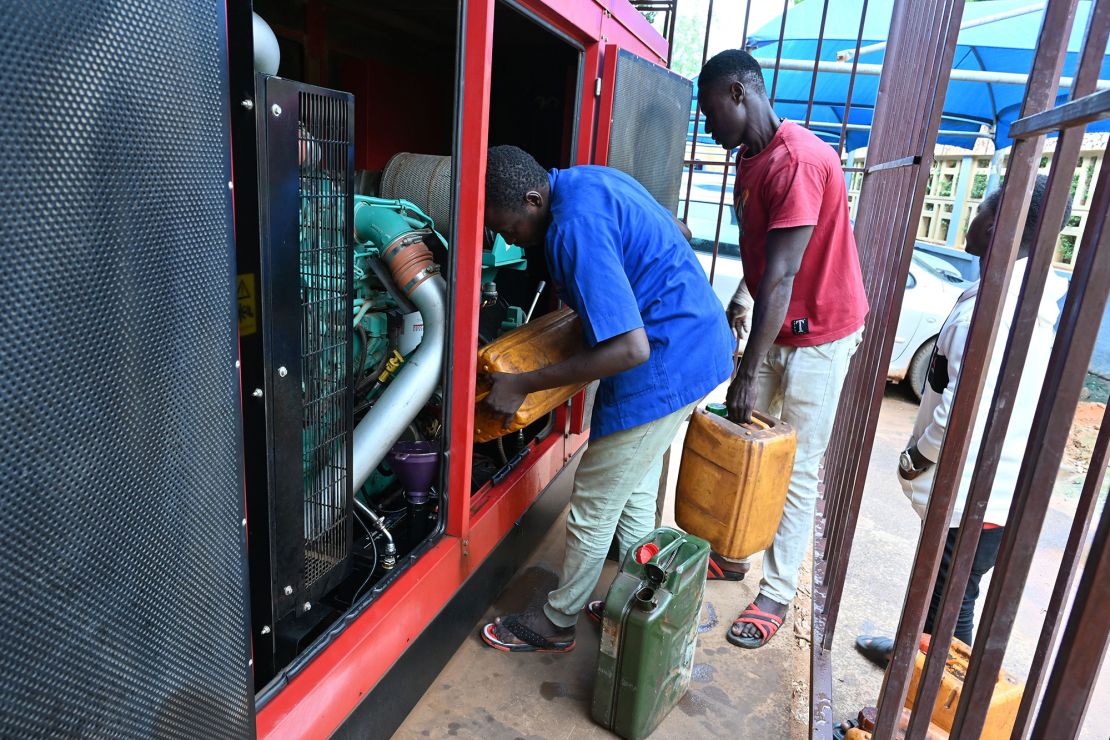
x,y
374,545
368,380
365,348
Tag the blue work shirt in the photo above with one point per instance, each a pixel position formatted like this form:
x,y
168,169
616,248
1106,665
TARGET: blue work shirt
x,y
619,260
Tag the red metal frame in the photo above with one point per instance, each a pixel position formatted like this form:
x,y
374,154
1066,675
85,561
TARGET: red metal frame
x,y
623,25
318,699
471,169
591,71
605,105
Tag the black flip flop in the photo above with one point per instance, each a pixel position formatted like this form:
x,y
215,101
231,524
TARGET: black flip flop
x,y
534,642
875,648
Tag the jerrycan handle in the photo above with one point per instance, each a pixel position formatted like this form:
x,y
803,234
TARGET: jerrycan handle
x,y
759,422
657,573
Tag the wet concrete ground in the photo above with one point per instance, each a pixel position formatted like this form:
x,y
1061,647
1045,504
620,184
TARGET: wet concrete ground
x,y
484,693
488,694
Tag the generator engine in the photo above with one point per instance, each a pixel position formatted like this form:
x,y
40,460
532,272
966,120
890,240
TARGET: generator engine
x,y
352,343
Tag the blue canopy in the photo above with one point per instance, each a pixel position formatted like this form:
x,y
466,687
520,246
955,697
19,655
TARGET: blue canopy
x,y
998,46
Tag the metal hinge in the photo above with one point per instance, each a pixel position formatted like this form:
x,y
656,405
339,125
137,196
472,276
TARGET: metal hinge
x,y
466,548
597,88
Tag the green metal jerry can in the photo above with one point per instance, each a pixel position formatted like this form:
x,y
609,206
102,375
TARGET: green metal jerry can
x,y
649,632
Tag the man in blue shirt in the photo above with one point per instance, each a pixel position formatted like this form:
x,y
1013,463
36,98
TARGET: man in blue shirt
x,y
656,336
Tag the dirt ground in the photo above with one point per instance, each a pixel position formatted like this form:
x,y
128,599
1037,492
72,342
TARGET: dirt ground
x,y
1081,442
483,693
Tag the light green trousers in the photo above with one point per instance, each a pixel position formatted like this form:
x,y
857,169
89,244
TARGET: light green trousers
x,y
615,491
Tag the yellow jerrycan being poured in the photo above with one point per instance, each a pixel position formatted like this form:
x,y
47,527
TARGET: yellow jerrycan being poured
x,y
548,340
733,480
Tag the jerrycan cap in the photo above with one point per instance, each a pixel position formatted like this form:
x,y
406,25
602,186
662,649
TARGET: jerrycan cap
x,y
717,409
646,552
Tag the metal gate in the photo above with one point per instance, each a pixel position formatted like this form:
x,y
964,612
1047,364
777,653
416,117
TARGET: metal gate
x,y
904,131
1060,713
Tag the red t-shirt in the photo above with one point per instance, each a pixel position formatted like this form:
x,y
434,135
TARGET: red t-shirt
x,y
797,181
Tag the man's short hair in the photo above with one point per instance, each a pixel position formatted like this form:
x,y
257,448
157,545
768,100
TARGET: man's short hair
x,y
733,65
1036,201
510,173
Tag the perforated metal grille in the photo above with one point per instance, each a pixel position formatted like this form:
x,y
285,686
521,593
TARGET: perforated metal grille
x,y
123,561
325,253
651,114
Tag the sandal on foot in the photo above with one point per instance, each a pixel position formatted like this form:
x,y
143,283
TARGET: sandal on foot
x,y
766,622
875,648
717,572
596,610
533,642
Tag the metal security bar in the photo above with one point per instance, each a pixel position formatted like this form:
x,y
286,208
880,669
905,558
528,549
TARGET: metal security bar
x,y
923,38
907,119
669,9
325,269
1011,577
696,161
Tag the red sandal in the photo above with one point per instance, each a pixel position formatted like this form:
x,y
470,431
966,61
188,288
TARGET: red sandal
x,y
767,624
715,572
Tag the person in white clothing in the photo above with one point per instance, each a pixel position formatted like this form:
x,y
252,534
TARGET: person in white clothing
x,y
917,464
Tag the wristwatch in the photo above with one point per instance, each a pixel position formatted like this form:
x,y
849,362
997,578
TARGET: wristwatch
x,y
905,464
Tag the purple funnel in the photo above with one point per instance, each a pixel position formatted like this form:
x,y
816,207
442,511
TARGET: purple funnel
x,y
416,465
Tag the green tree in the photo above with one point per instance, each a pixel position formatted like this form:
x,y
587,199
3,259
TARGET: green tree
x,y
979,186
1066,252
687,45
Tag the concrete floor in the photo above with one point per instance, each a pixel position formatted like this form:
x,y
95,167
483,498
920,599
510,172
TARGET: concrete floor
x,y
484,693
488,694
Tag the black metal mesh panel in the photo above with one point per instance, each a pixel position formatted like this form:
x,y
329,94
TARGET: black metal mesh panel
x,y
306,187
326,299
123,560
651,115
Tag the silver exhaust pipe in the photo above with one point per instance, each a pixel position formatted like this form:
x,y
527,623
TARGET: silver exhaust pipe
x,y
418,378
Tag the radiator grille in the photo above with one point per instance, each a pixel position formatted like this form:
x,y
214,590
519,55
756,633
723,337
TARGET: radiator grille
x,y
326,300
651,115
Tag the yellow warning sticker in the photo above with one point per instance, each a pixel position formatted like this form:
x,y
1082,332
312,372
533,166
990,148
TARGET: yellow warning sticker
x,y
246,294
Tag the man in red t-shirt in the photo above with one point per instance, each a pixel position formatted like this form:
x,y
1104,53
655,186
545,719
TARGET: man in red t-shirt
x,y
802,269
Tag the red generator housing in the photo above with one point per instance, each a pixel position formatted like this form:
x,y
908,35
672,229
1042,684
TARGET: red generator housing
x,y
243,492
572,82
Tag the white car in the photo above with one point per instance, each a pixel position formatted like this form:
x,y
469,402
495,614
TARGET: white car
x,y
932,288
